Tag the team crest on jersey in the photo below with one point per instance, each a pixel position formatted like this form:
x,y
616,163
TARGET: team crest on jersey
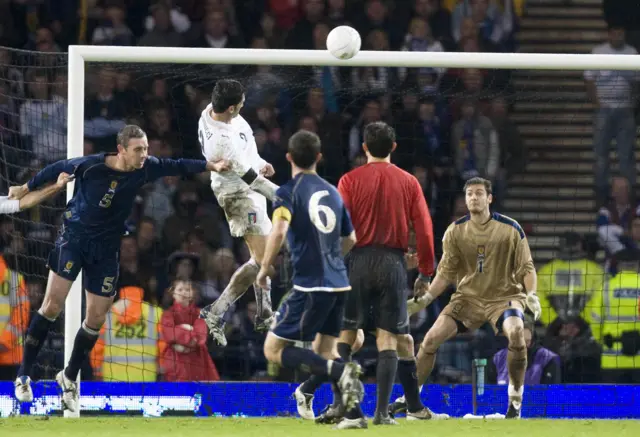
x,y
253,218
113,185
480,258
68,266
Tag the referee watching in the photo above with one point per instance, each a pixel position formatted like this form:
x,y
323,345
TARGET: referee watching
x,y
383,201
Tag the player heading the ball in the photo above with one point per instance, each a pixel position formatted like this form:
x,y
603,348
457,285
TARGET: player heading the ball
x,y
309,212
89,240
242,193
488,256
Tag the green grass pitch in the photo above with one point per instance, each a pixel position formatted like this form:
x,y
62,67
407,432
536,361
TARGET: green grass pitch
x,y
272,427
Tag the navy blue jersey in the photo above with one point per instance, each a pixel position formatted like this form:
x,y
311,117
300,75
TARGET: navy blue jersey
x,y
318,220
103,197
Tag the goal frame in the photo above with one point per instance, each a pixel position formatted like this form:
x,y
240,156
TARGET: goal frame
x,y
80,54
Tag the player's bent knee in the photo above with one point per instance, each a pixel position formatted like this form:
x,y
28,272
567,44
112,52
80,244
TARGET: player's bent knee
x,y
405,346
272,349
359,341
515,334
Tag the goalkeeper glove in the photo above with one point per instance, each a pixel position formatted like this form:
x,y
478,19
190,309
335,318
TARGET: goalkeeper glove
x,y
415,305
533,303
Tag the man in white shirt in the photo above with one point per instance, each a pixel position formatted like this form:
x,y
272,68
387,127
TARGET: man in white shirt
x,y
10,205
242,193
613,93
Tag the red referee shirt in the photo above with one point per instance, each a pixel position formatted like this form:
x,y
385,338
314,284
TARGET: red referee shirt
x,y
384,202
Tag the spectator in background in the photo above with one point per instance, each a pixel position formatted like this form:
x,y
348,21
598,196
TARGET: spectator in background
x,y
580,353
475,144
301,35
186,357
543,365
336,13
439,19
567,285
614,219
420,39
178,20
613,93
329,126
133,328
43,120
113,30
373,80
161,31
376,16
216,32
487,18
513,154
370,114
616,321
14,319
104,111
159,201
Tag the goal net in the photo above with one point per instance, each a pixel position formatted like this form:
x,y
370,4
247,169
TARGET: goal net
x,y
524,122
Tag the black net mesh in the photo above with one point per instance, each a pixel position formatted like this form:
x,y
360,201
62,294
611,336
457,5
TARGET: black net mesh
x,y
530,132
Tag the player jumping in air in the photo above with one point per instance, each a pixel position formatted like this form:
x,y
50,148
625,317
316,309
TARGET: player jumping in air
x,y
93,223
10,205
310,213
488,256
224,134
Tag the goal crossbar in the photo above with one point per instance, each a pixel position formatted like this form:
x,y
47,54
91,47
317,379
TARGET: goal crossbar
x,y
79,54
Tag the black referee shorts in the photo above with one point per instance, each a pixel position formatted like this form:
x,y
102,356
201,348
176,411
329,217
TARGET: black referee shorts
x,y
378,294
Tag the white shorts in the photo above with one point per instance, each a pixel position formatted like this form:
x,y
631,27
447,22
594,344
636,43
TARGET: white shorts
x,y
246,213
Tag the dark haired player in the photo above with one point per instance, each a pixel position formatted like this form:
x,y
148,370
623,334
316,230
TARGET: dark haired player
x,y
384,201
242,194
94,221
309,212
488,256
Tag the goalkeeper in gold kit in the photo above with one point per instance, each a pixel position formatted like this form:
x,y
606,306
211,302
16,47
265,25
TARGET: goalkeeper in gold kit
x,y
487,255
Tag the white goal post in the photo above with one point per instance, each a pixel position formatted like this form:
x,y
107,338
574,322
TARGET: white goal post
x,y
78,55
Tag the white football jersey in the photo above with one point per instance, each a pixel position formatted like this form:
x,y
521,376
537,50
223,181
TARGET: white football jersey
x,y
9,206
233,142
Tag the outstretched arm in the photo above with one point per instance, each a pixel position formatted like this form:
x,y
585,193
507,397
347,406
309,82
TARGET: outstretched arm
x,y
157,168
18,201
35,198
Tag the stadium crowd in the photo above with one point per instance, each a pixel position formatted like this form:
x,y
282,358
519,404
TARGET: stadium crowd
x,y
451,125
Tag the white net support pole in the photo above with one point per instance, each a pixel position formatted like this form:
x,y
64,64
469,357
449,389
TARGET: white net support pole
x,y
75,148
78,55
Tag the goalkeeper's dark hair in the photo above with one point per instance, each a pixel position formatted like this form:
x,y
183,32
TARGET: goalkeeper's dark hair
x,y
478,181
304,148
227,92
379,138
129,132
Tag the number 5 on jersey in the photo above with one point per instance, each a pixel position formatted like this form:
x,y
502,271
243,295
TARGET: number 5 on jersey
x,y
314,213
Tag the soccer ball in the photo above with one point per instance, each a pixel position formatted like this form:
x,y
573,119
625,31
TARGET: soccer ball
x,y
344,42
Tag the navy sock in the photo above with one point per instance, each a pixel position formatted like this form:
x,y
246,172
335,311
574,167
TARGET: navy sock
x,y
407,373
86,339
305,359
344,350
36,335
385,376
315,381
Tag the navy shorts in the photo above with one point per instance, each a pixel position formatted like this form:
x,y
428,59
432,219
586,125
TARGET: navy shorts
x,y
101,267
302,315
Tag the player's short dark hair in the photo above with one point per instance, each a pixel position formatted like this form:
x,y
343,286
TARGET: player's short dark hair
x,y
304,148
130,132
379,138
478,181
227,92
